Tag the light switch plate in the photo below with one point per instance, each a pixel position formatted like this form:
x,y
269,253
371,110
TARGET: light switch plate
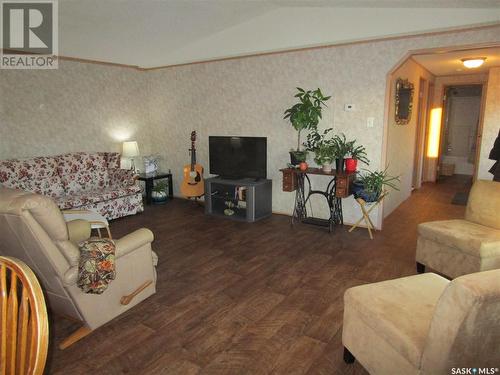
x,y
370,121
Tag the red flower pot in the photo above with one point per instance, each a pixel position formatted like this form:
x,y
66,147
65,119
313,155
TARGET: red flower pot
x,y
351,164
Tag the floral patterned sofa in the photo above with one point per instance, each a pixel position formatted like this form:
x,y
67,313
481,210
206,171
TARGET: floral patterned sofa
x,y
77,180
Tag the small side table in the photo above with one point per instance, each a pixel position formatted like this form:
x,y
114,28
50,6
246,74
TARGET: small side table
x,y
149,182
96,220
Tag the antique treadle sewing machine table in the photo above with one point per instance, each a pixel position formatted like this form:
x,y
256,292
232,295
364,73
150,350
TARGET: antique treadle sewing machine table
x,y
338,187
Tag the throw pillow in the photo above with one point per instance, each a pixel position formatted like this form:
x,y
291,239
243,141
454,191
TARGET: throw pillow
x,y
96,268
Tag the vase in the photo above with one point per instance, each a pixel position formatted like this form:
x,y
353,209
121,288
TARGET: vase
x,y
368,196
351,164
159,197
327,168
356,187
339,165
297,157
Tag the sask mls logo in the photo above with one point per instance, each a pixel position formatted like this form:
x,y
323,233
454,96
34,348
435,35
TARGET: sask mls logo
x,y
474,370
29,34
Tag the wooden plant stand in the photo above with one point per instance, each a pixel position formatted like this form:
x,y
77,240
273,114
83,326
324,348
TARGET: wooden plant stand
x,y
366,208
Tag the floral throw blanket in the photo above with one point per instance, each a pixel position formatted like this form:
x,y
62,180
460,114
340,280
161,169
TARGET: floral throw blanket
x,y
96,268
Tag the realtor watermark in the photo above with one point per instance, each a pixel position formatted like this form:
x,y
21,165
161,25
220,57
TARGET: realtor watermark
x,y
29,34
474,370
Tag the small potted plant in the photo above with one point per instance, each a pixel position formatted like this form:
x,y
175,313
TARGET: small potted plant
x,y
342,148
323,147
370,185
357,153
325,155
305,115
159,193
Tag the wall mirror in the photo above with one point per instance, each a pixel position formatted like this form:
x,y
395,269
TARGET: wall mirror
x,y
404,101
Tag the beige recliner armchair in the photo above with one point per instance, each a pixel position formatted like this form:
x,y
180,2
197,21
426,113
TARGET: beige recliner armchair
x,y
424,324
460,247
33,229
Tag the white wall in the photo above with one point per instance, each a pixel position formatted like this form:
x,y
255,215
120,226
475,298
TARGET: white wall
x,y
491,123
84,106
401,139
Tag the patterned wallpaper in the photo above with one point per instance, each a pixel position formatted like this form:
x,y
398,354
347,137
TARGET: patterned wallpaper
x,y
93,107
79,107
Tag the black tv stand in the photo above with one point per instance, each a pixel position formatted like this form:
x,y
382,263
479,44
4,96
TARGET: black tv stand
x,y
255,179
244,199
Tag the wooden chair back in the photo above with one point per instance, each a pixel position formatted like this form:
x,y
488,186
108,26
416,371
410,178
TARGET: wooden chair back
x,y
24,328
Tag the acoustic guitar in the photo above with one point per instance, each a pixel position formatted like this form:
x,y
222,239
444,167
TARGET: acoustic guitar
x,y
193,185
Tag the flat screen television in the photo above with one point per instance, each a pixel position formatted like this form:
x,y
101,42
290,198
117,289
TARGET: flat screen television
x,y
238,157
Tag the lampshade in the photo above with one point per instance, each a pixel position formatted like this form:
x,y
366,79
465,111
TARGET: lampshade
x,y
130,149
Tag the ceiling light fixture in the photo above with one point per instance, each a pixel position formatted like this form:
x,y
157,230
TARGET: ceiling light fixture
x,y
473,62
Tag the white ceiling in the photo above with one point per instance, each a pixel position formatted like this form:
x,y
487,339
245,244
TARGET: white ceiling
x,y
442,64
151,33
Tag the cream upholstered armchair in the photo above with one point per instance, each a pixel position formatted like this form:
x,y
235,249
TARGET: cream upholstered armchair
x,y
33,229
460,247
424,324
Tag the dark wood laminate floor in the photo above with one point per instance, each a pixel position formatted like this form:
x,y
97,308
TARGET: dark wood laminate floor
x,y
236,298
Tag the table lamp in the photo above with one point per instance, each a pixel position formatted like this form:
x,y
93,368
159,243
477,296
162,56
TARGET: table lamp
x,y
130,150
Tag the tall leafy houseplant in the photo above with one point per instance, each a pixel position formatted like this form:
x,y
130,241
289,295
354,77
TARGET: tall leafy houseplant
x,y
305,115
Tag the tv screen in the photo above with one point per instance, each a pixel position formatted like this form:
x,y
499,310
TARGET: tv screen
x,y
238,157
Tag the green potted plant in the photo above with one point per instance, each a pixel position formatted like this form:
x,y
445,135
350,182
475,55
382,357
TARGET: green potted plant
x,y
305,115
159,192
357,153
323,147
342,148
325,155
370,184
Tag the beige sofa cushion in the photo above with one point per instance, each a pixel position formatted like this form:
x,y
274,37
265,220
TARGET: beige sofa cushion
x,y
399,311
468,237
465,328
483,206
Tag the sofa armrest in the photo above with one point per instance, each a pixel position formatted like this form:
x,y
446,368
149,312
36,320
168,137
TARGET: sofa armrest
x,y
78,230
121,177
133,241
